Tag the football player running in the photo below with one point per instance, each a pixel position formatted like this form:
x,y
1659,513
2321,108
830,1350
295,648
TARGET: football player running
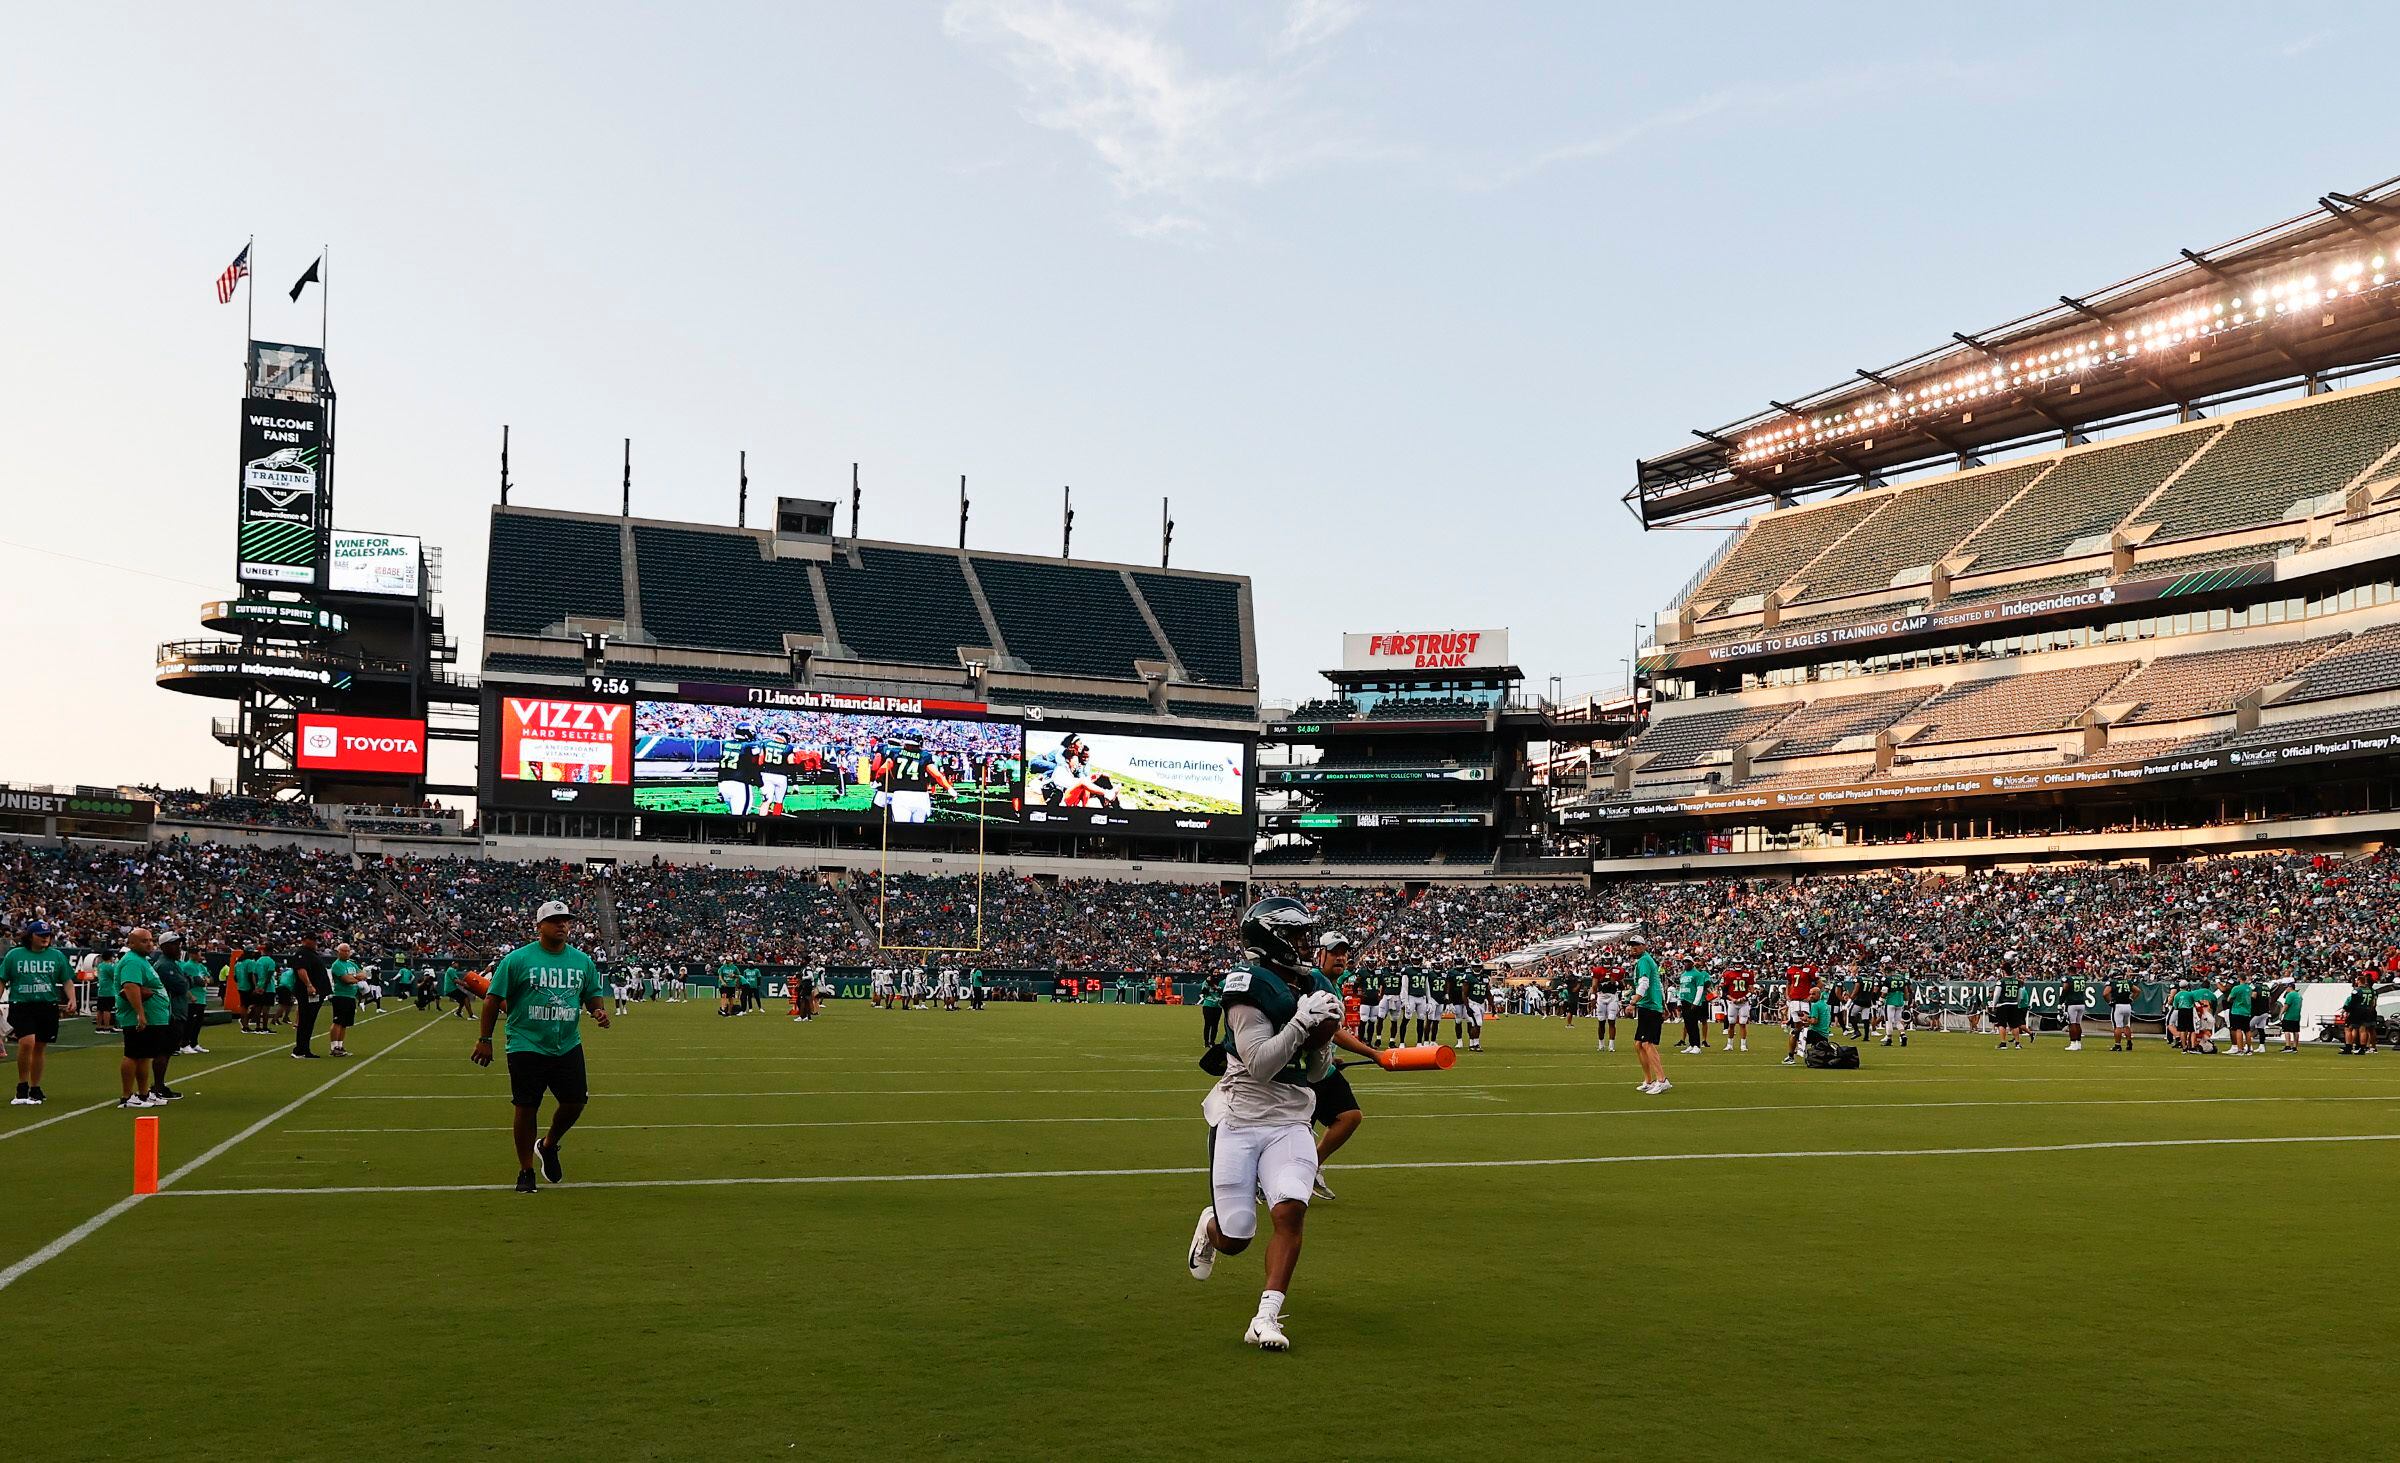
x,y
1281,1015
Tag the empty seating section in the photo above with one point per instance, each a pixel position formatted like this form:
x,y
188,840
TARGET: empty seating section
x,y
2340,724
530,665
1773,549
2016,705
544,569
905,606
2263,465
2363,663
2213,559
2029,588
1203,619
1064,619
1211,711
713,589
2090,491
1823,725
1073,701
1915,528
1682,741
2208,682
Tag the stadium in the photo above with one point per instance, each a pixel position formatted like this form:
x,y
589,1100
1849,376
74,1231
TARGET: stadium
x,y
2045,685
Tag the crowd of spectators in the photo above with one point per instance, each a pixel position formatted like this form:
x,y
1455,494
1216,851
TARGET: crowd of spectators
x,y
2314,917
209,807
699,912
215,893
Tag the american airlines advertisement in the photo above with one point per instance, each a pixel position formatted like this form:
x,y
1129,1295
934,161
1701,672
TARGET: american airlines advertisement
x,y
1081,780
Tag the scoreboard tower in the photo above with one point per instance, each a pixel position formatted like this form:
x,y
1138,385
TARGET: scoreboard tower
x,y
333,649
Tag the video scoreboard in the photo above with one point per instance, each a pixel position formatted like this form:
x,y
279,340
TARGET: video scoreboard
x,y
727,751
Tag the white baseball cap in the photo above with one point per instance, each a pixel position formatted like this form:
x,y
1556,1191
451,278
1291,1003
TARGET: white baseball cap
x,y
555,909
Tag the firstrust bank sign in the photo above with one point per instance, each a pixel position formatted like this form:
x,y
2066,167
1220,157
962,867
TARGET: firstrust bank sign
x,y
1425,650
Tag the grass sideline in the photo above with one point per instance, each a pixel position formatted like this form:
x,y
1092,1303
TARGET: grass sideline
x,y
1534,1255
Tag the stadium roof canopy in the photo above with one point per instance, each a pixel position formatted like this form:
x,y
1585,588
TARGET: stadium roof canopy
x,y
2313,296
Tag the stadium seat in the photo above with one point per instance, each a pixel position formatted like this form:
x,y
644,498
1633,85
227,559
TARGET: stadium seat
x,y
2363,663
1823,725
2015,705
1203,618
2263,467
1066,619
715,590
2209,682
2087,494
904,605
1916,527
1682,741
1774,548
545,568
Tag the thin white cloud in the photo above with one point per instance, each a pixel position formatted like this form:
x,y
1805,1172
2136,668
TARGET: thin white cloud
x,y
1885,83
1171,136
2305,44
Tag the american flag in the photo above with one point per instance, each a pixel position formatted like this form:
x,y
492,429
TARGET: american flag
x,y
234,274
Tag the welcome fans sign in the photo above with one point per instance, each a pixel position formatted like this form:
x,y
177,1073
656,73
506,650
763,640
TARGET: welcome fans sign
x,y
282,462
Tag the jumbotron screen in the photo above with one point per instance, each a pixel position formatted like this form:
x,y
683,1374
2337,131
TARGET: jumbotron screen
x,y
762,762
1079,779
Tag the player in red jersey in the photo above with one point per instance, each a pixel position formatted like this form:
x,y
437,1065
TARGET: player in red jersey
x,y
1741,989
1799,988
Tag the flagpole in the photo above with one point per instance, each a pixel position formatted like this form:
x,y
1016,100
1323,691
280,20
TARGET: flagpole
x,y
249,309
324,297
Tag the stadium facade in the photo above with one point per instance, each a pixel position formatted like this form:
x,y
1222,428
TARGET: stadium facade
x,y
2074,631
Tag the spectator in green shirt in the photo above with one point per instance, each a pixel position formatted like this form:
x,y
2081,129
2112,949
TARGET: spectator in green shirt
x,y
1649,1014
143,1010
545,988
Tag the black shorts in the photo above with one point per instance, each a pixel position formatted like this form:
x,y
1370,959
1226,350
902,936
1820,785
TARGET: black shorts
x,y
145,1042
2183,1019
530,1074
1648,1025
37,1019
1334,1097
345,1010
2011,1017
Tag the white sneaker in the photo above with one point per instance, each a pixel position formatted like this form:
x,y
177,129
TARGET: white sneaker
x,y
1663,1085
1644,1089
199,1051
1324,1189
1201,1259
1642,1086
1266,1333
2074,1046
1745,1046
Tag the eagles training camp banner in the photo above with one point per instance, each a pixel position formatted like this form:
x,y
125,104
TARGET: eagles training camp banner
x,y
282,478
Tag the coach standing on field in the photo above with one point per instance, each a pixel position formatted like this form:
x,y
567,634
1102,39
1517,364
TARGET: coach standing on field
x,y
545,987
312,982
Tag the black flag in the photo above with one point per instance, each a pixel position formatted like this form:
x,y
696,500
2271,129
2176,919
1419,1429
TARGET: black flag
x,y
312,277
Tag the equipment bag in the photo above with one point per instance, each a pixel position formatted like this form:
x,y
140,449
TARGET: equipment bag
x,y
1828,1057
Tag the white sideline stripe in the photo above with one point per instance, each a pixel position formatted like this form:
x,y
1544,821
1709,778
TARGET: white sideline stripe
x,y
1588,1112
112,1102
85,1230
1400,1088
1111,1173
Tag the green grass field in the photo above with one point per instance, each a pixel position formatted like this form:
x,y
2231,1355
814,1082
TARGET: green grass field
x,y
903,1235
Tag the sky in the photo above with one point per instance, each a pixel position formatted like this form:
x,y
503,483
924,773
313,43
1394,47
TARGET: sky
x,y
1387,296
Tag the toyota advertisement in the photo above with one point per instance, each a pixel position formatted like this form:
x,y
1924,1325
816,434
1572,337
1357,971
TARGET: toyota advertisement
x,y
361,744
1105,781
564,752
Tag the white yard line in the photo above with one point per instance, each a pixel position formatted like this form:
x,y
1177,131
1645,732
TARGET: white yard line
x,y
112,1102
1084,1173
1647,1111
85,1230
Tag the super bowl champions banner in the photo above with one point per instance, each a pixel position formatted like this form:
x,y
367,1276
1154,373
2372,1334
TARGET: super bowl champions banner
x,y
282,473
